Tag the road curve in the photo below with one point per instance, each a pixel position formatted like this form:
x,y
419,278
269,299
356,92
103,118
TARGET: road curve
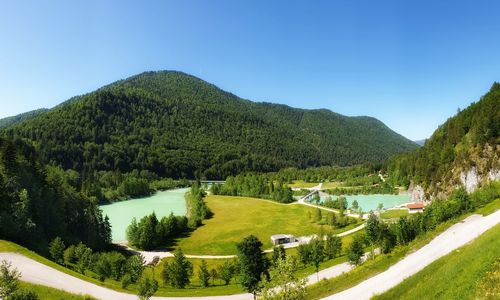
x,y
454,237
38,273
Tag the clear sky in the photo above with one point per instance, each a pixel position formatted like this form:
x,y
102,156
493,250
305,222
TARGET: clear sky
x,y
410,64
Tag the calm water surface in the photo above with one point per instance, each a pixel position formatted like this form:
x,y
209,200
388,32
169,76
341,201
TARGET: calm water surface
x,y
162,203
370,202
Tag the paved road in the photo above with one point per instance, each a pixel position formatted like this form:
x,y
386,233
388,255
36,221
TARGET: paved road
x,y
35,272
454,237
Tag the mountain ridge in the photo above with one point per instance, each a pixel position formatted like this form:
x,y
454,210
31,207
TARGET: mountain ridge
x,y
178,125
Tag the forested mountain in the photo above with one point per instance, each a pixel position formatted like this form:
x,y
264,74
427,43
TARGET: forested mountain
x,y
177,125
38,203
465,150
9,121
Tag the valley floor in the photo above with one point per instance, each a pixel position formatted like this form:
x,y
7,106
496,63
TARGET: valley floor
x,y
453,238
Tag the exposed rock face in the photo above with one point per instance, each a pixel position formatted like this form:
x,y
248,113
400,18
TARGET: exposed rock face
x,y
494,175
416,193
470,179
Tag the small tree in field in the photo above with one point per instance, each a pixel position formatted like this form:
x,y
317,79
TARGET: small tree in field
x,y
317,253
278,252
253,263
226,272
214,275
355,250
284,283
333,246
203,274
178,272
56,249
373,230
304,251
355,205
147,287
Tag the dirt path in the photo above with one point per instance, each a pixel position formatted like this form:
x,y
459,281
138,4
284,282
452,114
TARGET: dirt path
x,y
454,237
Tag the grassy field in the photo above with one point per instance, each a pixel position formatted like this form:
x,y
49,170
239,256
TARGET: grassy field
x,y
331,185
394,213
47,293
237,217
453,276
301,184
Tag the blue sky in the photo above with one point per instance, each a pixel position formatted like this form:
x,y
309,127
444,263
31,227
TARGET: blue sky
x,y
410,64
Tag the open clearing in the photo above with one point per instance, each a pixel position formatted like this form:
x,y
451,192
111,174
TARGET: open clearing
x,y
237,217
394,213
457,272
301,184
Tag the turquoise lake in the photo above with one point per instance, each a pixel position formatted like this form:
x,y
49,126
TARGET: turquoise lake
x,y
162,203
370,202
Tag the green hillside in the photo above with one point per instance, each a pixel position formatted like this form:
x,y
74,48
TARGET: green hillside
x,y
177,125
468,140
9,121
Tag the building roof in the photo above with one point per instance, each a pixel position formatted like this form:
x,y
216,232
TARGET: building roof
x,y
415,206
281,236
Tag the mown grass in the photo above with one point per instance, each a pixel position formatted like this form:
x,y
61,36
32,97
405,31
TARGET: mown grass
x,y
331,185
301,184
237,217
394,213
372,267
48,293
453,276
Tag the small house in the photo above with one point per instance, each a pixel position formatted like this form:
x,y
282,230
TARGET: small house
x,y
415,207
279,239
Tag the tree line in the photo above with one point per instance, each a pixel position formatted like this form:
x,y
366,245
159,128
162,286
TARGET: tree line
x,y
254,185
150,233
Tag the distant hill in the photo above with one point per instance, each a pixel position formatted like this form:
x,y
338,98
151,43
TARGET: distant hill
x,y
420,142
177,125
9,121
465,150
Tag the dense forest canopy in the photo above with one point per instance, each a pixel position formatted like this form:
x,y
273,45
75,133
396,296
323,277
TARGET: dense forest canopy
x,y
38,203
469,139
9,121
179,126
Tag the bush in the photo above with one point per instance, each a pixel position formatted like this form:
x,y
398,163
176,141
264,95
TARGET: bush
x,y
355,250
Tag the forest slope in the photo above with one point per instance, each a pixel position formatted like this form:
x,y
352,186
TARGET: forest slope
x,y
177,125
464,151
